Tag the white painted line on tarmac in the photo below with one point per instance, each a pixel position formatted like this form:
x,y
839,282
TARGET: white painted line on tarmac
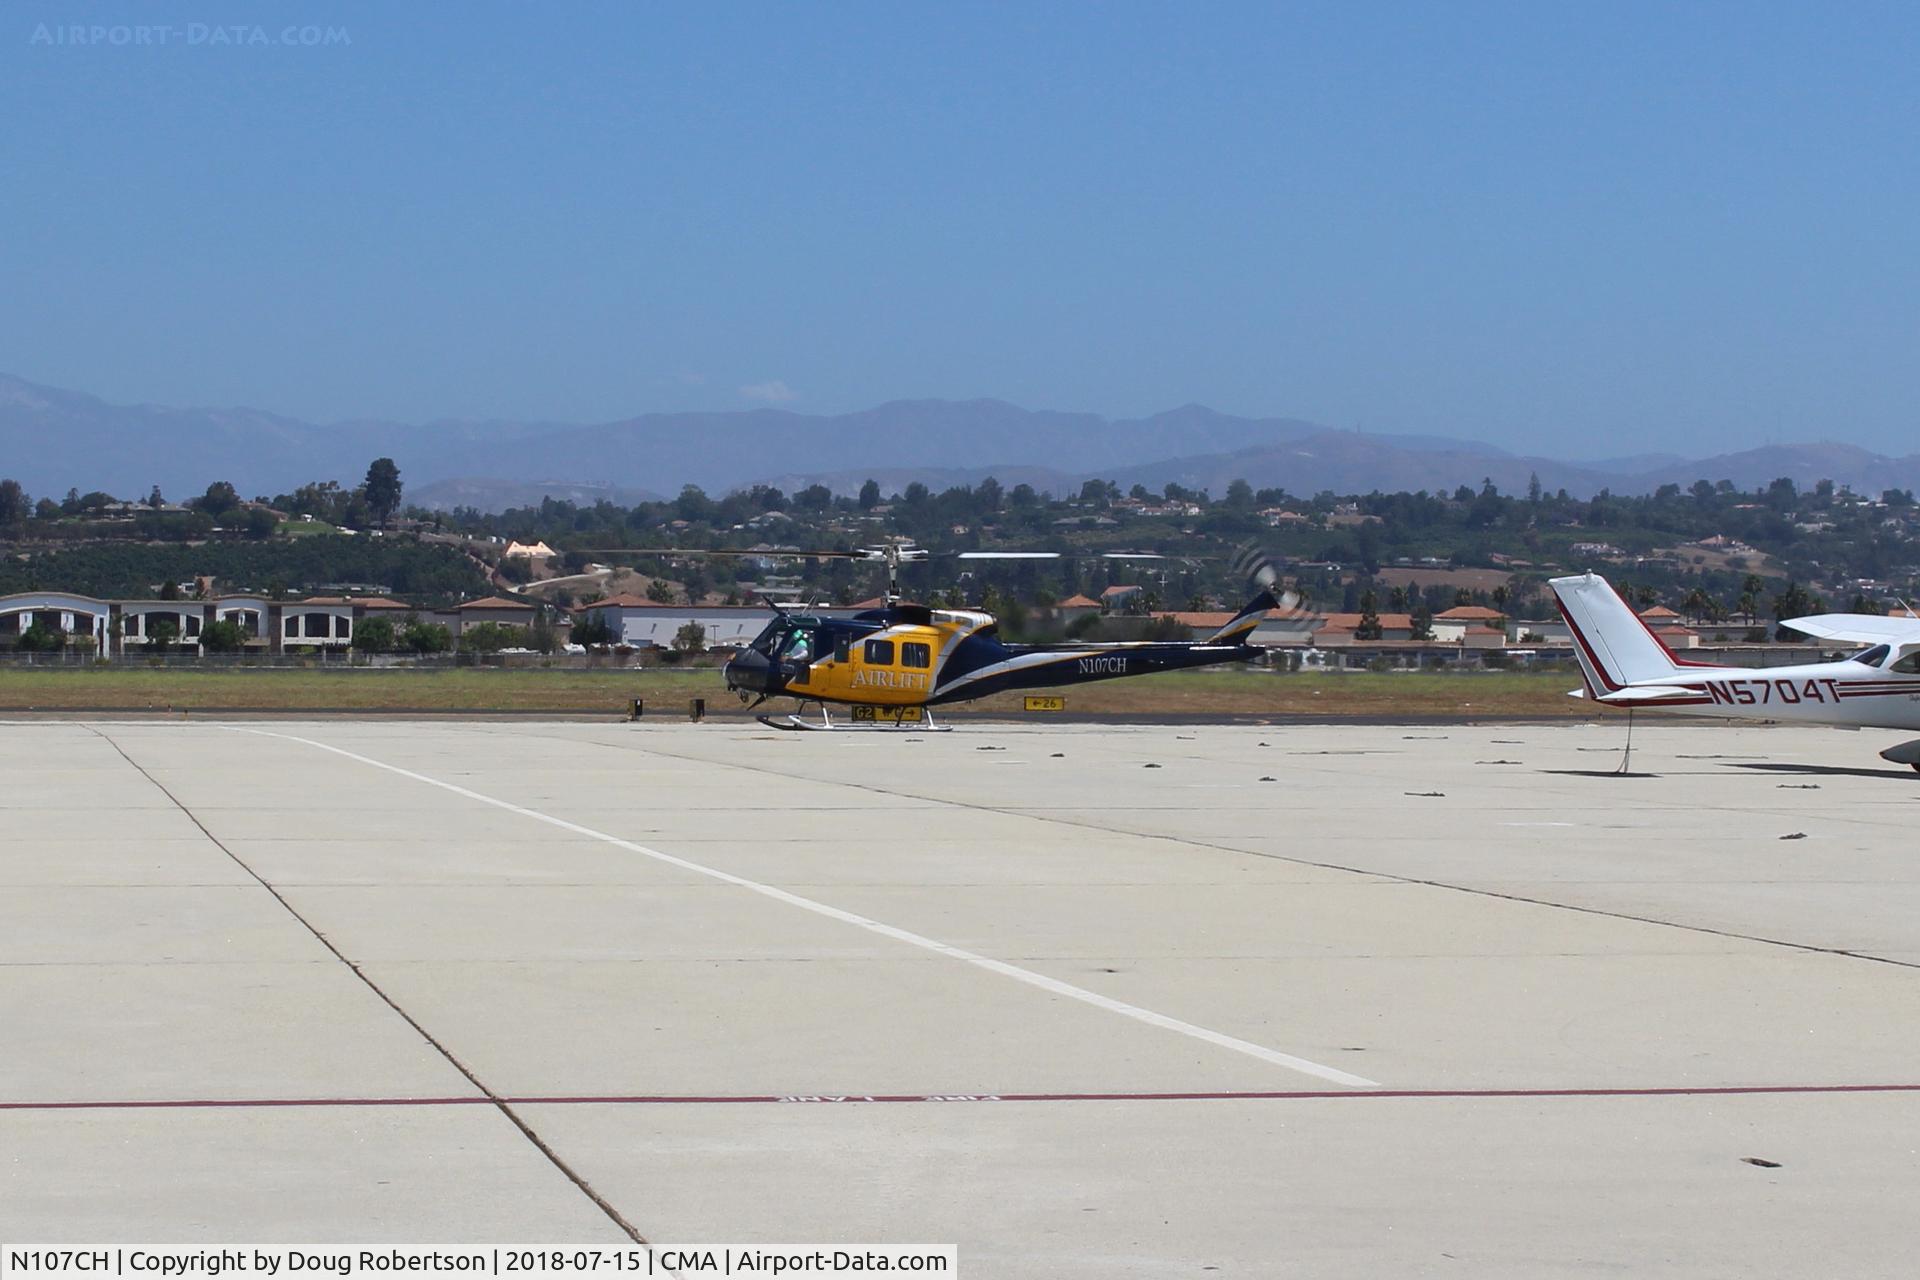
x,y
991,965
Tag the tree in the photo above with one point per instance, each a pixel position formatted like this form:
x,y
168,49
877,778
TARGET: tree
x,y
169,590
41,638
1794,601
154,499
260,523
219,499
989,495
490,637
15,506
322,499
870,494
426,637
223,636
46,509
691,638
1240,495
593,629
375,635
1366,547
1369,628
383,489
693,505
659,592
161,634
540,636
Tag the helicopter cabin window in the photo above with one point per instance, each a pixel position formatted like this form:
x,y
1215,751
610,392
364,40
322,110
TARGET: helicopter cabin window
x,y
842,647
913,654
879,653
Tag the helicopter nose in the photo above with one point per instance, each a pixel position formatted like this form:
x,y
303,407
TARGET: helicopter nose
x,y
749,671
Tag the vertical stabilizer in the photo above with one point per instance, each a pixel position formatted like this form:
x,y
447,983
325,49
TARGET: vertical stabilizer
x,y
1249,617
1614,647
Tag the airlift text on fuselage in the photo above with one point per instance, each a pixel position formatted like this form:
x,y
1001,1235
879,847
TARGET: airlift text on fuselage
x,y
870,679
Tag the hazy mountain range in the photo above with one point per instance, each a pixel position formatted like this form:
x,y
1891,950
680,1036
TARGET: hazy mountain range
x,y
52,439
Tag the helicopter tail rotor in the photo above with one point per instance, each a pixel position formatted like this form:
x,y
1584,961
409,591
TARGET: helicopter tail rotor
x,y
1257,565
1262,568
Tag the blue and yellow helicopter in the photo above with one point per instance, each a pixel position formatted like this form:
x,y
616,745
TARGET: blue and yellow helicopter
x,y
891,664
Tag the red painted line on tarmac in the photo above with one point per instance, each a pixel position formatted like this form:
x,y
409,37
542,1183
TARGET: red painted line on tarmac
x,y
771,1099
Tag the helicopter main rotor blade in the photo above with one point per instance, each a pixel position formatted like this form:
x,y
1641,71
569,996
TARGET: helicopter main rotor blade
x,y
666,552
1072,555
905,555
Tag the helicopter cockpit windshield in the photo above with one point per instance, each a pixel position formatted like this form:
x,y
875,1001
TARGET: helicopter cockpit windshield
x,y
787,640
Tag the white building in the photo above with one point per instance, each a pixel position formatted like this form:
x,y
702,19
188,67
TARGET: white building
x,y
648,624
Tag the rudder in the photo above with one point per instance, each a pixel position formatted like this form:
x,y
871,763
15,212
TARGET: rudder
x,y
1614,647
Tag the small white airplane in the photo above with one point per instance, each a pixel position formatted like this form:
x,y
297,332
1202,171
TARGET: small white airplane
x,y
1625,665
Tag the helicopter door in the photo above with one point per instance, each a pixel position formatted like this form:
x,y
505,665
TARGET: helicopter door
x,y
798,655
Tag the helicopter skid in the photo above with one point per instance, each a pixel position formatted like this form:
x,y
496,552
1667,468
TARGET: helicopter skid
x,y
826,724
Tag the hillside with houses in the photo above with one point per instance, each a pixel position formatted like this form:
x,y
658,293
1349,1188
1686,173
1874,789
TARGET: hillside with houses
x,y
1384,574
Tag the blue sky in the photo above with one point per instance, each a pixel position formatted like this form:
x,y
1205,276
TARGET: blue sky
x,y
1580,231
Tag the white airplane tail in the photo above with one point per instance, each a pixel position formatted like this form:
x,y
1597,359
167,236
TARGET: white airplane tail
x,y
1614,647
